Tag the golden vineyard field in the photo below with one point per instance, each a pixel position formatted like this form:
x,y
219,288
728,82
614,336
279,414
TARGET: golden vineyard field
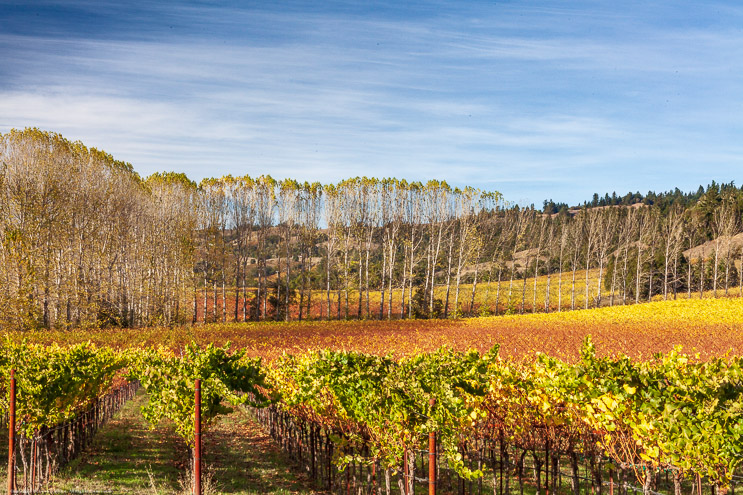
x,y
563,295
711,327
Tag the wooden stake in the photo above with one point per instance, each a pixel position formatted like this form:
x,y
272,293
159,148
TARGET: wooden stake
x,y
197,440
11,436
432,458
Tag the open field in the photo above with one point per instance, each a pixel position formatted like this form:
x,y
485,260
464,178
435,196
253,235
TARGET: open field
x,y
710,326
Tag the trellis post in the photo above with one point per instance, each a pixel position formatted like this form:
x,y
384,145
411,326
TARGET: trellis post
x,y
197,440
432,457
11,436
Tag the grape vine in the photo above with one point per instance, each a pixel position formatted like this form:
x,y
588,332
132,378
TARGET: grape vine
x,y
674,412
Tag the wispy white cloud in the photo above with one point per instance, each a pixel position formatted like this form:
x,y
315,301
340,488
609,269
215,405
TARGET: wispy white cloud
x,y
540,110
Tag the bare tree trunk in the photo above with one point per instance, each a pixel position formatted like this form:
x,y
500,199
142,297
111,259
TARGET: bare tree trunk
x,y
487,286
366,278
588,259
427,279
224,300
392,257
536,278
497,291
559,287
206,295
714,270
361,286
688,278
461,261
599,282
675,276
652,272
302,284
410,284
727,267
701,275
665,270
404,280
510,283
287,317
277,310
345,277
433,268
245,291
448,275
624,274
523,288
572,290
327,285
613,282
237,287
547,291
309,287
474,285
458,281
214,308
195,302
382,286
637,273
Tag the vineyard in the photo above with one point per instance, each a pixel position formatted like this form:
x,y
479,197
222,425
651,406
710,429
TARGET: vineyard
x,y
338,271
355,404
711,327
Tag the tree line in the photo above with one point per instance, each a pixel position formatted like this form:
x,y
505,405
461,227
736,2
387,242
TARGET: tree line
x,y
87,242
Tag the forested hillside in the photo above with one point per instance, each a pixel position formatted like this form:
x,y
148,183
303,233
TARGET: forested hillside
x,y
87,242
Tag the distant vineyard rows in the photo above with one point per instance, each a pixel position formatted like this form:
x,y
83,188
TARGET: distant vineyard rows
x,y
712,327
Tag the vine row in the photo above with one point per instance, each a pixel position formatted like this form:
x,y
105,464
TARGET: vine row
x,y
355,419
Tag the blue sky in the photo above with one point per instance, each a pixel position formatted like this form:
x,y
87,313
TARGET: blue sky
x,y
535,99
